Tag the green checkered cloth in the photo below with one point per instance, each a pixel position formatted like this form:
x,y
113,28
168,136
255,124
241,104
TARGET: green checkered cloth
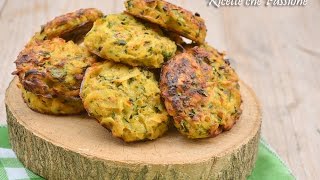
x,y
268,166
10,167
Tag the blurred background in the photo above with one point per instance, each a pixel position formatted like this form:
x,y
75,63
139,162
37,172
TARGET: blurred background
x,y
275,50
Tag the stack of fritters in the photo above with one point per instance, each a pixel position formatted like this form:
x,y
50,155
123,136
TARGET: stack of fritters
x,y
51,69
125,91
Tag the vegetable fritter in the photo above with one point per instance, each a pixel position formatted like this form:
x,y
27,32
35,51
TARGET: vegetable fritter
x,y
122,38
125,100
54,106
70,26
53,68
201,92
169,16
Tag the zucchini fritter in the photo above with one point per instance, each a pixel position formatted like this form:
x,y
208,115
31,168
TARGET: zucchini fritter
x,y
201,92
53,68
169,16
122,38
70,26
125,100
55,106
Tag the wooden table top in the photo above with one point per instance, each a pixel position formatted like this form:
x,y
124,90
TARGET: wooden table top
x,y
276,50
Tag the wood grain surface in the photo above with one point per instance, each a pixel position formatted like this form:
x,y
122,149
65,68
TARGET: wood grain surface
x,y
77,147
276,50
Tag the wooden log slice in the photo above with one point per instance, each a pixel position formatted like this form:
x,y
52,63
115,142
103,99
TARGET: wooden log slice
x,y
77,147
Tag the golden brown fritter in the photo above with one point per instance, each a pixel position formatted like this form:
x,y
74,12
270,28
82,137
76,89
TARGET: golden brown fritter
x,y
123,38
201,92
125,100
53,68
170,17
54,106
70,26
